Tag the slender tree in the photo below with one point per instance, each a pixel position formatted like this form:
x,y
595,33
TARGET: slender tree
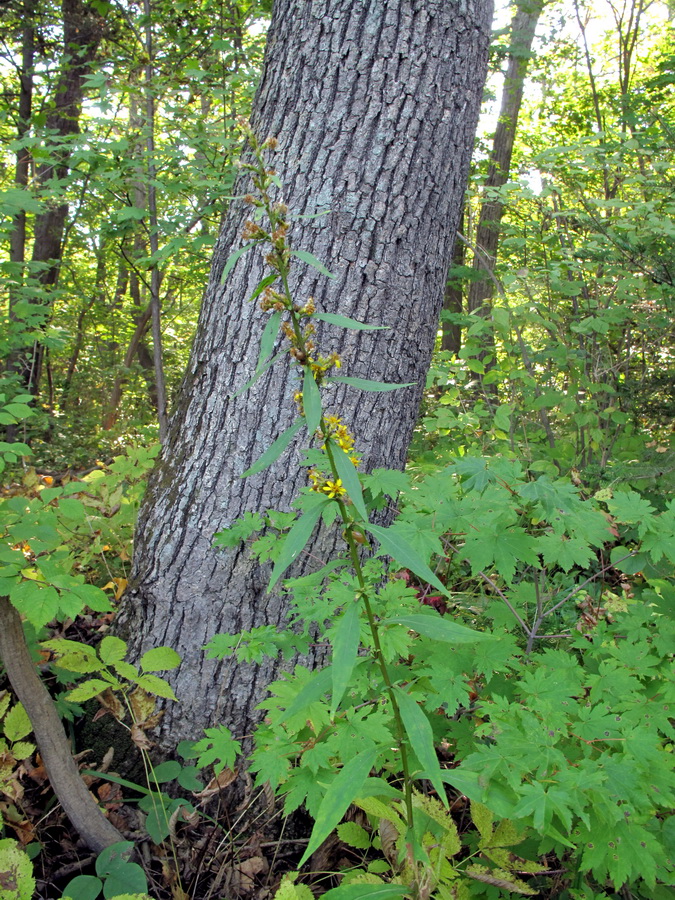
x,y
375,108
83,29
523,26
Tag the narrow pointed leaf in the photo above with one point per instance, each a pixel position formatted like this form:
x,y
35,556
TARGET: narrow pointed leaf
x,y
265,283
275,450
311,400
394,545
345,322
295,542
232,261
338,798
318,685
439,628
311,260
345,641
350,479
258,372
365,385
421,737
268,338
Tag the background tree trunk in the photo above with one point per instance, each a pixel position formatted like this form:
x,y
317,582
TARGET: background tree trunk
x,y
375,108
523,26
83,30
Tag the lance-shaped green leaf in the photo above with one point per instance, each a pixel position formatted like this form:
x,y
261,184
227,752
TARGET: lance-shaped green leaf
x,y
394,545
421,737
311,401
295,541
312,261
275,450
258,372
269,336
266,282
350,479
345,641
337,799
232,261
365,385
318,685
367,892
345,322
439,628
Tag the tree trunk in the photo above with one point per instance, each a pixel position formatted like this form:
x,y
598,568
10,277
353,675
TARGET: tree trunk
x,y
82,33
375,107
523,26
451,338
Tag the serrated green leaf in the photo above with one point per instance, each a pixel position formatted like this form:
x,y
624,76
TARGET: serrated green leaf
x,y
156,685
126,670
354,835
112,649
39,603
312,261
232,261
72,509
289,891
345,322
296,540
439,628
345,641
160,659
275,450
218,748
365,385
22,750
17,871
311,401
17,724
350,479
79,662
87,690
394,545
421,737
337,799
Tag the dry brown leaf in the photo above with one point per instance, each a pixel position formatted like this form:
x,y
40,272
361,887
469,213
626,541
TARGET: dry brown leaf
x,y
244,874
139,737
111,704
142,705
25,831
220,782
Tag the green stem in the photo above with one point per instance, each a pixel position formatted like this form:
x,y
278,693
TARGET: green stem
x,y
348,523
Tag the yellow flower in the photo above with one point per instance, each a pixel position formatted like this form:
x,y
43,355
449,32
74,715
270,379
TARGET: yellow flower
x,y
334,488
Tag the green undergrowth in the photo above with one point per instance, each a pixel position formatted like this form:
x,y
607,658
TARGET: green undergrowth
x,y
500,666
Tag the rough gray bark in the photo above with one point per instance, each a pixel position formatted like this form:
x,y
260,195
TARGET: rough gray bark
x,y
374,106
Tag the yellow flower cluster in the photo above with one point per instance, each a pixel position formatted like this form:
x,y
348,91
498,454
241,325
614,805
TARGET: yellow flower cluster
x,y
341,435
323,485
